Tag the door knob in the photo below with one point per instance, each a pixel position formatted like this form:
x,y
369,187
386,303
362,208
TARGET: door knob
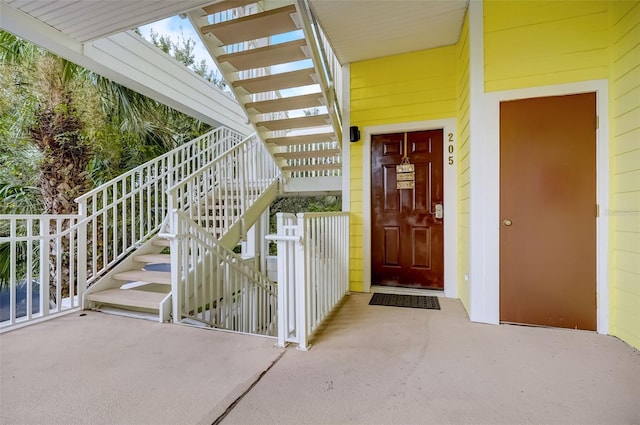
x,y
506,222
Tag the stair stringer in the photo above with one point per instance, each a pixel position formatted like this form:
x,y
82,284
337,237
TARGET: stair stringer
x,y
237,231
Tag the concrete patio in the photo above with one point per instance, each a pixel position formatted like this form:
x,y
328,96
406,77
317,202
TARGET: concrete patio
x,y
370,364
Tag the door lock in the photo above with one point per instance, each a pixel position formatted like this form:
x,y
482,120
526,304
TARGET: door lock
x,y
507,222
439,213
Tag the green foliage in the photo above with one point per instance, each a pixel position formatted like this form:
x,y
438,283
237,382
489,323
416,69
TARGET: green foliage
x,y
183,51
299,204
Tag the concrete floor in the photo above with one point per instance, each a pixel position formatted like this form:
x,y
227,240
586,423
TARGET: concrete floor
x,y
369,365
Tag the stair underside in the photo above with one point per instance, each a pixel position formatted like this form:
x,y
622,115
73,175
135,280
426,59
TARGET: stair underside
x,y
275,21
272,98
273,82
287,103
266,56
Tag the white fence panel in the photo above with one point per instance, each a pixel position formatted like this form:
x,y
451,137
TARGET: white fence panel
x,y
313,271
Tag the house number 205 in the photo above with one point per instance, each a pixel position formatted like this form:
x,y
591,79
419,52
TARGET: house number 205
x,y
450,148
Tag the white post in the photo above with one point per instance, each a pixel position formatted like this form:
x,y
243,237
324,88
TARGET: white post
x,y
302,307
44,267
82,251
283,287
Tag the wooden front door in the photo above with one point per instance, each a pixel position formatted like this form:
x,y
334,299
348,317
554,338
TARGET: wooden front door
x,y
548,211
407,237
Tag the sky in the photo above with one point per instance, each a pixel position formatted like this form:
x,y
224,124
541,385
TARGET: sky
x,y
176,27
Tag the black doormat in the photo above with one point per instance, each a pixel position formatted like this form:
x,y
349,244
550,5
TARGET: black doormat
x,y
412,301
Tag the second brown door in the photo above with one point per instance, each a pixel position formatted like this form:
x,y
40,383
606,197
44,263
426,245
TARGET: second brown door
x,y
407,233
548,209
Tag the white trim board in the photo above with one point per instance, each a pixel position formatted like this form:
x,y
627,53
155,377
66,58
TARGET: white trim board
x,y
488,166
450,178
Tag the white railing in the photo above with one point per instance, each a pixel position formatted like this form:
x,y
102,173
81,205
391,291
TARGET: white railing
x,y
211,284
216,287
43,255
313,272
57,257
217,196
128,210
325,62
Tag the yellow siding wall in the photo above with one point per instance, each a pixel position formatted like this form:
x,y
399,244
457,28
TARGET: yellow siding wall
x,y
416,86
537,43
462,68
624,96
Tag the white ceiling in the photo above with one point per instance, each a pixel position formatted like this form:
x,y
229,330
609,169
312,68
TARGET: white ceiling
x,y
87,20
357,29
366,29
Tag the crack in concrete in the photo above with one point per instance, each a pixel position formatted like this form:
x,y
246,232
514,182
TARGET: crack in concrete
x,y
220,418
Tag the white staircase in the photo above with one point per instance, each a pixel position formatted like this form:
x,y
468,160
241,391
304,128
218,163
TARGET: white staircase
x,y
270,55
222,199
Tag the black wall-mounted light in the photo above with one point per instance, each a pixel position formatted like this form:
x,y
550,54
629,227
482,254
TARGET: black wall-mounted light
x,y
354,133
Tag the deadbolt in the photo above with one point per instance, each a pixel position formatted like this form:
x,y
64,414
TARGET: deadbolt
x,y
506,222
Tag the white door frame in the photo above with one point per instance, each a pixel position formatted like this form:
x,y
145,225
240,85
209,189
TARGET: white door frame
x,y
450,178
485,286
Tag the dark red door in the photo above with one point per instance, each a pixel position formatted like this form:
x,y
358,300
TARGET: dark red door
x,y
406,224
548,211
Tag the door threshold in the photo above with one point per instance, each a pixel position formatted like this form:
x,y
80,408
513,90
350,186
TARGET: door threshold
x,y
406,291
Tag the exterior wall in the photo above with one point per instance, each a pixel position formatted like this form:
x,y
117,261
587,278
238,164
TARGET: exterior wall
x,y
624,80
462,91
537,43
411,87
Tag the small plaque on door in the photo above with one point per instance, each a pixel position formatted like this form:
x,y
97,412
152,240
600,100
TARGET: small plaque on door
x,y
405,184
405,167
405,175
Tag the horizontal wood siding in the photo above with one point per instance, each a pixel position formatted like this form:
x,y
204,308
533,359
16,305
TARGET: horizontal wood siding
x,y
411,87
462,89
538,43
625,186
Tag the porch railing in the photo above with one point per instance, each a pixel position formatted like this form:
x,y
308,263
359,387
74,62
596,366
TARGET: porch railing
x,y
313,271
216,287
43,254
68,253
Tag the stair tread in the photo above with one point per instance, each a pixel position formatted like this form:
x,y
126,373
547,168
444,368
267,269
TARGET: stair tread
x,y
303,139
153,258
315,167
144,276
129,298
287,103
301,122
284,80
161,242
252,27
225,5
274,54
320,153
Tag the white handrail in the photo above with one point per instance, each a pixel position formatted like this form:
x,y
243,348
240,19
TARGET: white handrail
x,y
67,253
313,272
218,195
214,286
